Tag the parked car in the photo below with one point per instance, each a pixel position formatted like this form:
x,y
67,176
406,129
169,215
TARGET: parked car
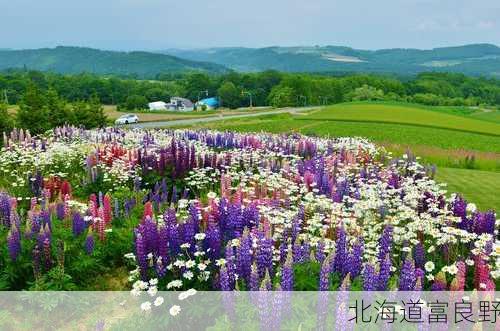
x,y
127,119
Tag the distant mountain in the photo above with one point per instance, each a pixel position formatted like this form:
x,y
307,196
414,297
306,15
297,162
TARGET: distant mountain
x,y
477,59
78,59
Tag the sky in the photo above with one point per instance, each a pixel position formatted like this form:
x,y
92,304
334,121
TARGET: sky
x,y
162,24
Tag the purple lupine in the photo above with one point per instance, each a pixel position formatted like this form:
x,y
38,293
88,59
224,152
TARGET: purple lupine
x,y
264,255
484,222
89,243
340,259
230,266
141,255
324,276
163,242
14,242
47,253
385,243
37,270
370,278
419,255
78,224
5,209
407,277
254,278
355,259
287,274
213,240
244,255
60,211
320,252
224,279
384,273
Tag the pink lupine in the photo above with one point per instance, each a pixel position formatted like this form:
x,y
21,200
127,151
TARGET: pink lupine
x,y
107,211
148,211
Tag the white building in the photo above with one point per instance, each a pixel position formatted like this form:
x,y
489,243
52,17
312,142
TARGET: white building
x,y
158,105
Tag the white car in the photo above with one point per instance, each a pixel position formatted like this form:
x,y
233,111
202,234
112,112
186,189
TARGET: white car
x,y
127,119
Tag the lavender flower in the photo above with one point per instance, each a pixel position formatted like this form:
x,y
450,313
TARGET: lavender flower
x,y
89,243
287,274
340,258
384,273
370,278
14,242
407,277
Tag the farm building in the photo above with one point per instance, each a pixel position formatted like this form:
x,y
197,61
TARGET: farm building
x,y
176,103
157,105
209,103
180,104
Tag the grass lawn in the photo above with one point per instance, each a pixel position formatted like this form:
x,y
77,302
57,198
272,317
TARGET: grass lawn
x,y
404,114
479,187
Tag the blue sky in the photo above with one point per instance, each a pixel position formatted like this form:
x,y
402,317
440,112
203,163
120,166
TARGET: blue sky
x,y
160,24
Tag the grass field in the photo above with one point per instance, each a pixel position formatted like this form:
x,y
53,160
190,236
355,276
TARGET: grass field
x,y
437,134
479,187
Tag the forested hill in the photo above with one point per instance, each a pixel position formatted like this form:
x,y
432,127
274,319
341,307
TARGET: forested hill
x,y
69,60
477,59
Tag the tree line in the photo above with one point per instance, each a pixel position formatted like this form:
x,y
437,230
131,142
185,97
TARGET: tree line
x,y
268,88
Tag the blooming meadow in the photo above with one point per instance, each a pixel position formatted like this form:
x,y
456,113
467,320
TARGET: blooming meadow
x,y
203,210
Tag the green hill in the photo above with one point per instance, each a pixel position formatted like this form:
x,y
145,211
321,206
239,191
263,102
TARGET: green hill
x,y
70,60
477,59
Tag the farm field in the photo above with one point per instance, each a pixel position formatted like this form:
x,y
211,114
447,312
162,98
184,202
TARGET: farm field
x,y
480,187
452,141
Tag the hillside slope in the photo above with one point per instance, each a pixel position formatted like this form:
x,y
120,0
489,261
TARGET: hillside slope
x,y
477,59
78,59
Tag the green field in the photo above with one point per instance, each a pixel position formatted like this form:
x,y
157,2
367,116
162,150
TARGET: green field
x,y
479,187
441,136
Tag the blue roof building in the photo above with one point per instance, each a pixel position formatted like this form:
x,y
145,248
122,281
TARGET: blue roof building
x,y
210,103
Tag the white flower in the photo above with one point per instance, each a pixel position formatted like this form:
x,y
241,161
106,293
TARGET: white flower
x,y
202,266
158,301
187,294
199,236
452,269
135,292
153,281
429,266
185,245
190,264
152,291
175,283
146,306
188,275
174,310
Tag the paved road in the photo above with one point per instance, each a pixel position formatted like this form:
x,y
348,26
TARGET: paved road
x,y
190,121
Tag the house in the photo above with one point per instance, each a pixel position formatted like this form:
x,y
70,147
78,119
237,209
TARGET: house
x,y
157,105
208,104
176,104
180,104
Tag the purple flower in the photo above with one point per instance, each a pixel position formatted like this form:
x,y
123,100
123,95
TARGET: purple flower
x,y
419,255
254,278
264,254
141,255
5,208
78,224
407,277
287,274
385,242
355,259
244,256
324,276
14,242
89,243
60,211
384,273
340,258
370,278
320,252
224,279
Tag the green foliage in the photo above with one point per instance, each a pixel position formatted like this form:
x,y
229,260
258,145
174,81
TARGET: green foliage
x,y
230,95
366,93
282,96
135,102
6,122
33,113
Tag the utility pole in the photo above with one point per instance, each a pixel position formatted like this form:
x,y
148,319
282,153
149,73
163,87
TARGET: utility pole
x,y
251,97
201,92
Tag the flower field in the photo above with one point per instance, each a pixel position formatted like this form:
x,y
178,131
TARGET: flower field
x,y
211,210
